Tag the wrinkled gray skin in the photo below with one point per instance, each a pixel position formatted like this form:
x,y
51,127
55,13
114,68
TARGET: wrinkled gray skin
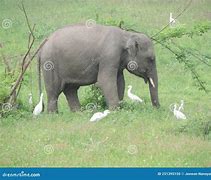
x,y
84,55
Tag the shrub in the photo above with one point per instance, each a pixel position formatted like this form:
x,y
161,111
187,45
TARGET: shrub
x,y
95,96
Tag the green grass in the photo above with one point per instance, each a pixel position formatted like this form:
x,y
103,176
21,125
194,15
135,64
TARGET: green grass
x,y
136,135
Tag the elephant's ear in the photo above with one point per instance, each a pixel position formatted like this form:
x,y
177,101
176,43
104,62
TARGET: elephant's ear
x,y
132,46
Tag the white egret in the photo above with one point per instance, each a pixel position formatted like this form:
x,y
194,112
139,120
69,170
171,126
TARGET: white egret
x,y
172,21
132,96
178,114
39,107
99,115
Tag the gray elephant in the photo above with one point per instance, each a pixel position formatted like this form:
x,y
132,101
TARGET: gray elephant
x,y
79,55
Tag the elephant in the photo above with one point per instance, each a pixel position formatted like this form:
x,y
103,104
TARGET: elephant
x,y
79,55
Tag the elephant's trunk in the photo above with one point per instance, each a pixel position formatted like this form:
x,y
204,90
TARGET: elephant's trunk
x,y
153,88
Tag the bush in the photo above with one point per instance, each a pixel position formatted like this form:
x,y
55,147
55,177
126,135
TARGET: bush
x,y
95,96
197,126
5,86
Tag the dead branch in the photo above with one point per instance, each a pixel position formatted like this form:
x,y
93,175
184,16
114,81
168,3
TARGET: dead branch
x,y
28,54
20,77
27,19
27,58
31,34
30,44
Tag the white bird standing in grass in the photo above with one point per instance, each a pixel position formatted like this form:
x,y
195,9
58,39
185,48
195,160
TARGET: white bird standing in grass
x,y
181,107
39,107
30,99
99,115
178,114
132,96
172,21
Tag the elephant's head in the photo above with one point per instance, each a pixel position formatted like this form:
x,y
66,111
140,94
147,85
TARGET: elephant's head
x,y
140,60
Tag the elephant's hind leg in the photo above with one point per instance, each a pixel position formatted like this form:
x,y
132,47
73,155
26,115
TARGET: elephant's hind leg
x,y
53,88
72,97
53,95
53,103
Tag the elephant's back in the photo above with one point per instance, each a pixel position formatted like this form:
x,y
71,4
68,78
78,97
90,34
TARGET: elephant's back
x,y
82,35
74,41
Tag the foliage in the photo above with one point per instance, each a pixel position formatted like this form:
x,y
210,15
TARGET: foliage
x,y
196,126
95,96
186,55
112,21
198,29
5,86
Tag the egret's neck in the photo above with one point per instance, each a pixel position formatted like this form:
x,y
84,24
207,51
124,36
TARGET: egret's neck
x,y
129,90
41,98
170,15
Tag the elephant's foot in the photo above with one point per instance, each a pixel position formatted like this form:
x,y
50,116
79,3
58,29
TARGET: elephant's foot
x,y
75,106
52,106
113,106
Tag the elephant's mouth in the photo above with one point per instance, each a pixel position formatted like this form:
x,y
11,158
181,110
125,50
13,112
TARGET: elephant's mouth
x,y
148,79
145,77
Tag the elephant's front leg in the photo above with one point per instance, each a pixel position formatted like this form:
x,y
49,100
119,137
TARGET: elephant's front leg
x,y
107,81
121,85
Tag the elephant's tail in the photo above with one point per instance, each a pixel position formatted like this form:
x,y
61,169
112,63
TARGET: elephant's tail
x,y
39,74
39,66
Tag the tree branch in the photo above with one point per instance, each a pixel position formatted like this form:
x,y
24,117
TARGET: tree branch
x,y
20,77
